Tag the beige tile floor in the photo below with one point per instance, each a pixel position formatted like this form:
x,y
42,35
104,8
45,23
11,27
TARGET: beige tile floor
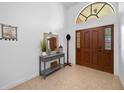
x,y
75,77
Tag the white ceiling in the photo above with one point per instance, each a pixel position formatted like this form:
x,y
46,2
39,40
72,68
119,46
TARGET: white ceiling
x,y
69,4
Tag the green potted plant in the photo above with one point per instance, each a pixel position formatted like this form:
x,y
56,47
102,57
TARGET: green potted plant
x,y
43,46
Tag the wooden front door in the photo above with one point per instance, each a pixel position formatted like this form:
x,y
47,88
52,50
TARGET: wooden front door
x,y
94,48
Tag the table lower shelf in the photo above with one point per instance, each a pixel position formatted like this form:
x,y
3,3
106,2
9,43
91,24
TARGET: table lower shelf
x,y
51,69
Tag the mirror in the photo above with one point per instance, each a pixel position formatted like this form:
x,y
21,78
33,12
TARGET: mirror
x,y
52,41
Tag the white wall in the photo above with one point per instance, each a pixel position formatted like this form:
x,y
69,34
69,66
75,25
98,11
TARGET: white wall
x,y
72,27
19,60
121,65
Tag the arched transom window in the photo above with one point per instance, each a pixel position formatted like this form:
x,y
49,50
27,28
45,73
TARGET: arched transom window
x,y
94,10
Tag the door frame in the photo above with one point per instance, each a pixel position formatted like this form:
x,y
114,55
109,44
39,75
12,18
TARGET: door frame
x,y
112,25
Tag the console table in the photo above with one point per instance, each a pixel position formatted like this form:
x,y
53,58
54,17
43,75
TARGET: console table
x,y
49,58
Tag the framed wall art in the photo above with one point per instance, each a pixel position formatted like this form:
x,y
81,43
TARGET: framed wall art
x,y
0,31
9,32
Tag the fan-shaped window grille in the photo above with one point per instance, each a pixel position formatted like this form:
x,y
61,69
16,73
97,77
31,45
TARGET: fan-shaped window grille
x,y
94,10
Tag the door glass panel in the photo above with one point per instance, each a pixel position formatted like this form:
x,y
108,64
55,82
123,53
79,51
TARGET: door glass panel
x,y
78,39
107,46
107,38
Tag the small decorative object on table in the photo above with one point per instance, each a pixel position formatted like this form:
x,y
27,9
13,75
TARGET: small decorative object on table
x,y
60,49
43,47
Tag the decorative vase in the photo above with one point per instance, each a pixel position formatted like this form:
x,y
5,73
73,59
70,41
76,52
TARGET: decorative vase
x,y
44,53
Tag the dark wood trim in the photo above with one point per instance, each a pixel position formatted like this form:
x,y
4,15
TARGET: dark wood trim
x,y
94,27
83,15
91,9
76,46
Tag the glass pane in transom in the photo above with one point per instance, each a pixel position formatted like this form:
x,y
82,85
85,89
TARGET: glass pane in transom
x,y
87,11
96,7
107,10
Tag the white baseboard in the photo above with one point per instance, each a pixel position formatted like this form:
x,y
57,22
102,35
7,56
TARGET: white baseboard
x,y
17,82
